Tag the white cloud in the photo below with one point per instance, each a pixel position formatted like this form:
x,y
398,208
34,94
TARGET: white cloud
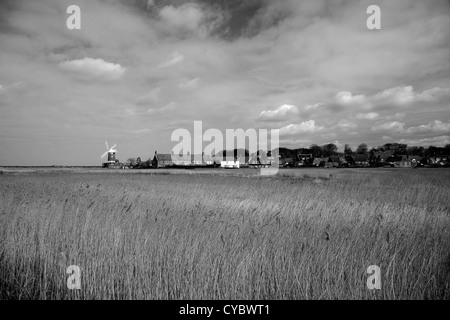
x,y
435,126
396,96
346,97
367,116
188,15
94,68
393,126
175,59
401,95
189,84
304,127
406,95
281,113
168,107
435,141
313,106
346,124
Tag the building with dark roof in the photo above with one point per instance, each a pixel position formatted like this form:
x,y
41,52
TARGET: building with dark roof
x,y
161,160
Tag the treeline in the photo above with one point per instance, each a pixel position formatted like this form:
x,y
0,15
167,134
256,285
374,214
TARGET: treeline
x,y
330,149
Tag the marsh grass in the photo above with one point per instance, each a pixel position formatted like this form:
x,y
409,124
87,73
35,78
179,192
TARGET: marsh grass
x,y
197,236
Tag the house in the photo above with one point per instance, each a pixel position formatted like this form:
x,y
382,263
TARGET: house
x,y
360,160
304,156
304,159
403,163
319,162
415,159
392,160
161,160
287,162
229,164
208,160
382,156
400,161
181,160
334,162
438,160
260,159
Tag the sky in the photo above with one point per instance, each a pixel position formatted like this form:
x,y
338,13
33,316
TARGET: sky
x,y
138,70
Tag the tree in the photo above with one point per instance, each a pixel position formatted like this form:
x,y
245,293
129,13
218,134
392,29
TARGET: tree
x,y
419,151
131,161
347,149
447,149
362,149
401,149
316,151
396,148
434,151
329,149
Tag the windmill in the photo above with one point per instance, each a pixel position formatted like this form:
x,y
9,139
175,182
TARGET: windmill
x,y
111,152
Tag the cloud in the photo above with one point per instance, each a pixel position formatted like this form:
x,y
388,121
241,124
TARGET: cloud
x,y
158,111
396,96
433,127
313,106
187,16
346,124
90,68
397,116
189,84
190,19
346,97
141,131
398,128
367,116
406,95
435,141
283,112
393,126
150,4
175,59
302,128
151,97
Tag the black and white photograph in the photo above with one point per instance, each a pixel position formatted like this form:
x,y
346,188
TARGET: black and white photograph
x,y
224,155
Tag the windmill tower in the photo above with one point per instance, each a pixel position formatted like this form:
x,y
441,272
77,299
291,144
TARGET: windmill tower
x,y
111,152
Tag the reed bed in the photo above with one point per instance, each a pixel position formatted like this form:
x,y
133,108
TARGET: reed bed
x,y
299,235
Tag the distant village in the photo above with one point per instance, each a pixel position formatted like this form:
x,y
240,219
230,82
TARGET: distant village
x,y
326,156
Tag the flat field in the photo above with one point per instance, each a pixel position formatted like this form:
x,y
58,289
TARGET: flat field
x,y
225,234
